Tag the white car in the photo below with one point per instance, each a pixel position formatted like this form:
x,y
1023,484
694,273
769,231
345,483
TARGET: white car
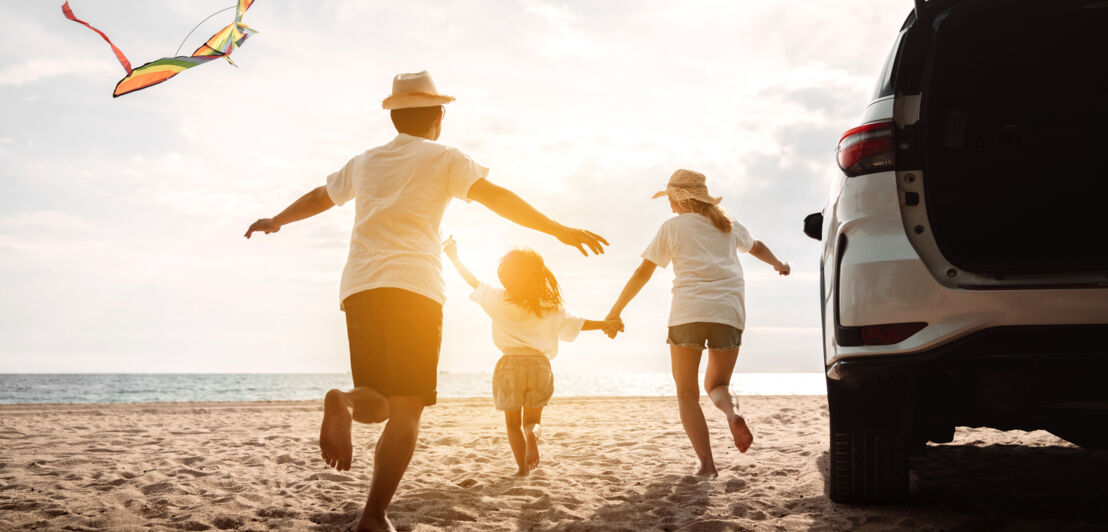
x,y
964,267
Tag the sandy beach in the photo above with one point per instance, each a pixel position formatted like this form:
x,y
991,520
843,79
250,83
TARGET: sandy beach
x,y
607,464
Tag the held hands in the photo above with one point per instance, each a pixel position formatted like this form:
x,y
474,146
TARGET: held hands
x,y
612,325
266,225
783,268
580,239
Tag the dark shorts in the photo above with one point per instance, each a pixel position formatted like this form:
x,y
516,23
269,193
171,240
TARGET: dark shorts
x,y
716,335
395,337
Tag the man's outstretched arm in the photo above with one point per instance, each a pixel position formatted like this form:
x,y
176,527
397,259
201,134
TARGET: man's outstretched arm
x,y
308,205
512,207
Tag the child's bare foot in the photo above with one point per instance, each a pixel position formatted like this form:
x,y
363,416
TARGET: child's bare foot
x,y
532,457
741,433
334,433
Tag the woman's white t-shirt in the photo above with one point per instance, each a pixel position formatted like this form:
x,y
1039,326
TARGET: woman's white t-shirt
x,y
709,284
515,327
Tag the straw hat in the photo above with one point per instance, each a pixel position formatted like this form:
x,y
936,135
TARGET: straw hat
x,y
414,90
687,184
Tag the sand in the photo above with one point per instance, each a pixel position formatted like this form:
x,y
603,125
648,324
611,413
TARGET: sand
x,y
608,464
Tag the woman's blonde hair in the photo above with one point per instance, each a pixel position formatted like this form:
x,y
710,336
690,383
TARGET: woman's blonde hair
x,y
528,282
713,211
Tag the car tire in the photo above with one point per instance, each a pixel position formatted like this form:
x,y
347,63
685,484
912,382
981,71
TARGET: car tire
x,y
865,465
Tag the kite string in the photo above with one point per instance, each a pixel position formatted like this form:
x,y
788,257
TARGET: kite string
x,y
198,25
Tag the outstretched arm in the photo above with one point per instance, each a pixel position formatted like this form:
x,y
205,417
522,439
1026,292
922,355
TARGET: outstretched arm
x,y
762,253
450,247
308,205
512,207
631,289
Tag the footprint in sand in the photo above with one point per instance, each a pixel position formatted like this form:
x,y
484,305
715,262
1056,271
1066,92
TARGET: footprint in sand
x,y
157,487
227,522
734,485
192,472
529,492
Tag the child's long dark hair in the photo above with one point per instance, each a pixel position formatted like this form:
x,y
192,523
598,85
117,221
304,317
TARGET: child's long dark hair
x,y
712,211
527,281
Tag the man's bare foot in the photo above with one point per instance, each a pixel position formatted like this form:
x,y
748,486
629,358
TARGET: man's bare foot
x,y
521,473
741,433
334,433
374,524
532,432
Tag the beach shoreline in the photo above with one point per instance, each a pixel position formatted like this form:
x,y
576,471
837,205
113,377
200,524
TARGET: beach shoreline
x,y
608,463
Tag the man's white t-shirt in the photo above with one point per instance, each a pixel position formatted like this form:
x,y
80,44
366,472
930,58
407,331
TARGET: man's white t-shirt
x,y
709,284
401,190
516,327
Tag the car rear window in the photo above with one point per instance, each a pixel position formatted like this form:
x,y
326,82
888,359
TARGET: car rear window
x,y
885,80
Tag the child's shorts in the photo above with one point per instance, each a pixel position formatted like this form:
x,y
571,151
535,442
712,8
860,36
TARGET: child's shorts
x,y
522,381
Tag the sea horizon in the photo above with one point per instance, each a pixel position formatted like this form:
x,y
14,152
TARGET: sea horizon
x,y
136,387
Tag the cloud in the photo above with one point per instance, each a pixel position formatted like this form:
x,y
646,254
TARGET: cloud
x,y
33,70
52,221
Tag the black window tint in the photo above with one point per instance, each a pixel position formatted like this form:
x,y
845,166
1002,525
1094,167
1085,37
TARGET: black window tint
x,y
885,80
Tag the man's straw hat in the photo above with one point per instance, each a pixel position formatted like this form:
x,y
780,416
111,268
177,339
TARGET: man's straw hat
x,y
687,184
414,90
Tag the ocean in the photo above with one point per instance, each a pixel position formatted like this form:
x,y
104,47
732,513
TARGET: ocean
x,y
193,387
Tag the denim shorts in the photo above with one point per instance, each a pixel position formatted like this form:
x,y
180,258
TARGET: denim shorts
x,y
716,335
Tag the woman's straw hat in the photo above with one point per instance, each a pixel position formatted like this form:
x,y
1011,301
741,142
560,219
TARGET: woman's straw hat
x,y
687,184
414,90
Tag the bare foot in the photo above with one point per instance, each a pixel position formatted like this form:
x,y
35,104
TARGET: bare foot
x,y
521,473
375,524
334,433
532,457
707,471
741,433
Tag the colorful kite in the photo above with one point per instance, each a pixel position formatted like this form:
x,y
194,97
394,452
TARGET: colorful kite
x,y
219,45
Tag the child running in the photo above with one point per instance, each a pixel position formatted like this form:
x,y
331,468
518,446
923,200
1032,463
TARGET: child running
x,y
527,321
708,306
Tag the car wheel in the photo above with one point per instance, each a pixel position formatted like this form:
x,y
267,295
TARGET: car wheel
x,y
866,465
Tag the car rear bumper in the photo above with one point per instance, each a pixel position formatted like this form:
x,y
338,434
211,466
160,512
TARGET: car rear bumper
x,y
1012,377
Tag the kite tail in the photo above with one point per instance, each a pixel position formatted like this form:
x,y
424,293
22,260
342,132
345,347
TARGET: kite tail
x,y
118,53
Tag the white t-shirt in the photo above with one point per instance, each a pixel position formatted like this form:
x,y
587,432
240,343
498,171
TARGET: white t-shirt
x,y
514,326
400,190
709,283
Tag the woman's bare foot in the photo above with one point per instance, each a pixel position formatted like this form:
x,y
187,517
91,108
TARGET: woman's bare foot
x,y
532,433
741,433
334,433
707,470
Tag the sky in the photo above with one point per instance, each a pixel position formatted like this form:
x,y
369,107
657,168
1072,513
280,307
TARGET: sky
x,y
122,220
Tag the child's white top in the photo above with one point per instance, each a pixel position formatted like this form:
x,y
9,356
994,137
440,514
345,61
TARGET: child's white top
x,y
709,283
514,326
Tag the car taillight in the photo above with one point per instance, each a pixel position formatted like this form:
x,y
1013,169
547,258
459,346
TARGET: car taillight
x,y
889,333
866,149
